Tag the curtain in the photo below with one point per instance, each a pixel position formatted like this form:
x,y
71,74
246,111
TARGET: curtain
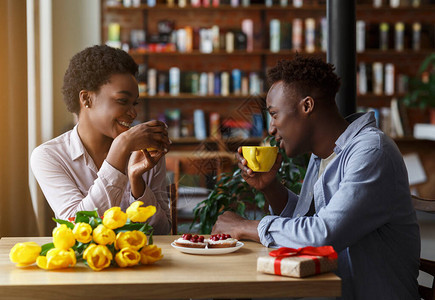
x,y
17,217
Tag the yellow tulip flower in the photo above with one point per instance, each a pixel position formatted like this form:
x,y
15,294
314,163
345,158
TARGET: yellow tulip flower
x,y
114,218
127,257
57,259
63,237
24,254
150,254
132,239
140,214
98,257
82,232
103,235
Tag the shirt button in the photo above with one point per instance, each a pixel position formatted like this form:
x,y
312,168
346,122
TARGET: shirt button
x,y
298,215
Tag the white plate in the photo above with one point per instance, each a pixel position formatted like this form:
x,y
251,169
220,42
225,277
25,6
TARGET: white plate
x,y
208,251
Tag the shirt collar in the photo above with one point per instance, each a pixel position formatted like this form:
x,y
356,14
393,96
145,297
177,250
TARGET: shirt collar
x,y
358,122
76,146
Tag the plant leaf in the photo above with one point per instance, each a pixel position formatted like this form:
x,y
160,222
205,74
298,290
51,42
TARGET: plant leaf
x,y
67,223
45,248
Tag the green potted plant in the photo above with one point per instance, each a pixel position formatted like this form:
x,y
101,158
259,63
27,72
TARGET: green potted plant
x,y
421,92
232,193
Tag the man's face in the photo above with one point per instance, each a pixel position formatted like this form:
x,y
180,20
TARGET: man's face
x,y
288,124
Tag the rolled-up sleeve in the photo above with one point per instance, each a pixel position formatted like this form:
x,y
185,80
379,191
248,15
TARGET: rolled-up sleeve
x,y
363,194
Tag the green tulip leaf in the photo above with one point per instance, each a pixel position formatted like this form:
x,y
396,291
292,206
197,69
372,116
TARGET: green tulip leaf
x,y
67,223
45,248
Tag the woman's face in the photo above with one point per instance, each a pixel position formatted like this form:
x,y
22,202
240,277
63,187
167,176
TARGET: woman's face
x,y
112,109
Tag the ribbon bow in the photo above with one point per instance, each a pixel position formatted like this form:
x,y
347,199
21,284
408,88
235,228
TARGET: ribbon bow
x,y
312,252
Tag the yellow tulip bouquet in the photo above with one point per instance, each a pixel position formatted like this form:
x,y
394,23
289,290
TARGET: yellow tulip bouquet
x,y
117,238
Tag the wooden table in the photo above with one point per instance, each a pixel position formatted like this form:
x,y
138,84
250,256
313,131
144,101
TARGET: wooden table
x,y
178,276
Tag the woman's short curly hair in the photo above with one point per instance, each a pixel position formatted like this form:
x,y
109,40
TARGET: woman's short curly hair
x,y
311,77
90,69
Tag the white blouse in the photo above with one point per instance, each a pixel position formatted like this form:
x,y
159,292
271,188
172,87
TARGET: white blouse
x,y
71,182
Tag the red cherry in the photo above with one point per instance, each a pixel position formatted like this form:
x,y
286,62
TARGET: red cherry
x,y
201,239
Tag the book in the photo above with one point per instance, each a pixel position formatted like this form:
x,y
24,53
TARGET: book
x,y
360,36
378,78
229,42
297,34
362,79
248,29
275,35
324,34
399,119
174,81
203,84
286,36
310,35
152,82
383,35
399,41
236,75
389,79
215,125
172,117
416,36
396,121
225,84
210,83
199,124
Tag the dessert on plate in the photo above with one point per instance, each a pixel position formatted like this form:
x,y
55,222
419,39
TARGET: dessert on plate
x,y
221,240
191,241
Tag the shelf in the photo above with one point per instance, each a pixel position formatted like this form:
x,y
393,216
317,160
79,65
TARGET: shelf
x,y
392,10
136,53
199,97
393,54
261,7
375,101
253,7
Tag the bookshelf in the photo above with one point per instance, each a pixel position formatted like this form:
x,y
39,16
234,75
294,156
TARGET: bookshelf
x,y
404,62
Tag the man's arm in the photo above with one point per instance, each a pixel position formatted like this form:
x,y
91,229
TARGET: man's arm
x,y
238,227
276,195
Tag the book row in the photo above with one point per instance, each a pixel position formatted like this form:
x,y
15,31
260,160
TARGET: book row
x,y
204,124
246,3
380,79
174,82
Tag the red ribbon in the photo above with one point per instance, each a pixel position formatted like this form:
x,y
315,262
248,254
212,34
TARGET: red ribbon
x,y
311,252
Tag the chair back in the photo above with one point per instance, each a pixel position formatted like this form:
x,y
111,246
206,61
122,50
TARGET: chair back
x,y
173,197
427,266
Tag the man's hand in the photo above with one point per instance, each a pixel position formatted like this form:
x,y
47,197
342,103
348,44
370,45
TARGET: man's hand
x,y
238,227
258,180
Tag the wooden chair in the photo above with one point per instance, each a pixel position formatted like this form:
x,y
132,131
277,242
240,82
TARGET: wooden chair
x,y
427,266
173,197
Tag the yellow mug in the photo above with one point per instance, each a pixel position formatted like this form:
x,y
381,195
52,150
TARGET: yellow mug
x,y
260,159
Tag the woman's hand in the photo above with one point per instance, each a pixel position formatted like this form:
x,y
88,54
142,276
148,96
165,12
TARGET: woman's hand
x,y
258,180
139,163
151,134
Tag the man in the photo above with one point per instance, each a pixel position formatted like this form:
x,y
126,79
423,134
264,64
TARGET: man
x,y
355,195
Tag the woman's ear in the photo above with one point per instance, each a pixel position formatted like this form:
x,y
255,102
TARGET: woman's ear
x,y
85,99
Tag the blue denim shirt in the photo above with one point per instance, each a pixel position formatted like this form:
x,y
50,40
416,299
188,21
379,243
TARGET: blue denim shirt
x,y
363,209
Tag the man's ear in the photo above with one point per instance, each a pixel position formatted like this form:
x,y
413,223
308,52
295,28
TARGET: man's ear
x,y
85,99
307,105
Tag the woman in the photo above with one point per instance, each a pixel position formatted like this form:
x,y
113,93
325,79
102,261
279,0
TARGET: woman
x,y
102,162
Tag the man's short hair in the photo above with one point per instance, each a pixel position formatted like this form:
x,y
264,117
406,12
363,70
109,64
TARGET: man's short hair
x,y
90,69
308,75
